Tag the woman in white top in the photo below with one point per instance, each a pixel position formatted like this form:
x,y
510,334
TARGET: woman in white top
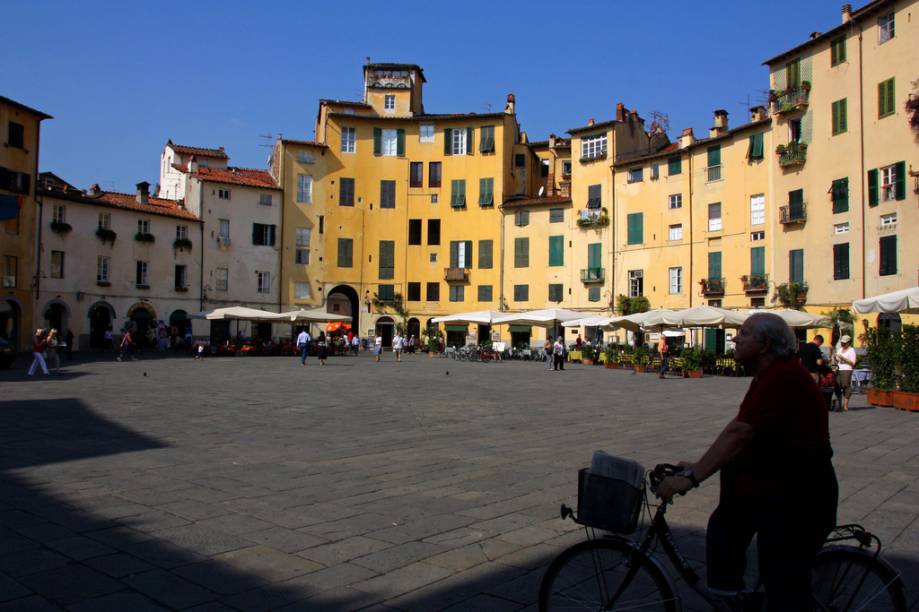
x,y
377,347
397,344
845,360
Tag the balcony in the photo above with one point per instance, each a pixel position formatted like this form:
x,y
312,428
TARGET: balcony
x,y
755,283
593,275
792,214
791,155
593,217
456,275
791,100
712,286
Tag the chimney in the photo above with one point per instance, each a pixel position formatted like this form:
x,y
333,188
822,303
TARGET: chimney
x,y
511,107
143,192
620,112
721,123
552,138
687,138
591,121
757,113
846,13
95,189
192,164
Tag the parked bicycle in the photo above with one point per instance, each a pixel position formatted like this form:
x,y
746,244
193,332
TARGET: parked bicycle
x,y
612,572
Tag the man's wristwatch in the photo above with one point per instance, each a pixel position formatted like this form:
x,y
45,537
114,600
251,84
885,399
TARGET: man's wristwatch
x,y
690,475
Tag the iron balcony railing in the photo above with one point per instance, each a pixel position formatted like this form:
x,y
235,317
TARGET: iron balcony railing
x,y
755,283
593,275
793,213
792,99
712,286
792,154
456,275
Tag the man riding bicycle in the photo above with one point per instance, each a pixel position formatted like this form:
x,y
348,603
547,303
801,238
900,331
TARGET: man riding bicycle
x,y
777,478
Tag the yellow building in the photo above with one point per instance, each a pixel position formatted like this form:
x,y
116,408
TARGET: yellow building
x,y
20,214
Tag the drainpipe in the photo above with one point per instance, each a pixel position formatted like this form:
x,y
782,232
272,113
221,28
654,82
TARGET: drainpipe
x,y
861,159
691,235
40,201
612,231
201,259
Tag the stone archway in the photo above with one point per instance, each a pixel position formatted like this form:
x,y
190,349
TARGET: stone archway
x,y
386,327
343,300
101,315
141,317
10,322
56,315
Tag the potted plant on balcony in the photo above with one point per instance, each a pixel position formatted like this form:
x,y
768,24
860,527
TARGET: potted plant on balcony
x,y
588,354
106,235
780,150
692,362
641,357
144,237
907,397
792,295
881,349
180,244
60,227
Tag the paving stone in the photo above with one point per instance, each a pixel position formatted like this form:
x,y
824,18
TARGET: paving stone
x,y
169,589
79,548
398,556
203,541
30,561
402,580
118,602
119,565
10,589
344,550
34,603
71,584
286,540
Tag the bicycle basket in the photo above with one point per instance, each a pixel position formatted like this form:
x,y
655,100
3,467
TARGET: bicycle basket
x,y
608,503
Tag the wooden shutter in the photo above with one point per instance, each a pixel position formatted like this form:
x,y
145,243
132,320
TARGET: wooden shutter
x,y
556,250
796,265
758,261
714,266
888,256
468,254
470,141
900,180
448,141
674,165
521,252
841,261
271,235
454,254
387,259
843,115
807,127
873,187
485,254
635,228
256,233
486,192
377,141
840,192
594,255
400,142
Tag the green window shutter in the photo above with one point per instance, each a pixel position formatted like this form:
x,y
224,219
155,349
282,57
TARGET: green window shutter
x,y
900,180
594,255
521,252
344,252
377,141
714,266
796,266
458,193
468,254
756,146
886,98
794,73
454,254
714,156
485,254
674,165
470,141
841,261
843,115
888,264
387,259
758,261
839,116
593,294
400,142
840,192
556,250
873,187
635,224
448,141
486,192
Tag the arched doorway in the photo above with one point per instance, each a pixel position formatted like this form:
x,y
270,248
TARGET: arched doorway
x,y
178,323
484,334
343,300
414,329
101,315
10,322
385,327
141,318
56,316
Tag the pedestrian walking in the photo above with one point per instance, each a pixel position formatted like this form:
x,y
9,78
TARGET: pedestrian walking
x,y
377,347
845,359
39,342
355,344
548,353
68,347
558,351
53,357
107,339
303,345
127,346
199,353
398,343
812,357
664,351
323,346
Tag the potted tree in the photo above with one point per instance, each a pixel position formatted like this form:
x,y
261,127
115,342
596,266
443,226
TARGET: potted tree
x,y
692,362
640,359
588,354
907,397
880,348
612,357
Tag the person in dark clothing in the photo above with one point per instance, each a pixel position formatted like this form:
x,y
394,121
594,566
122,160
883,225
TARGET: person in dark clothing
x,y
812,357
777,477
68,339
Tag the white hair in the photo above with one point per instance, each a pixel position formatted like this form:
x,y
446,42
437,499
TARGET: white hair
x,y
771,329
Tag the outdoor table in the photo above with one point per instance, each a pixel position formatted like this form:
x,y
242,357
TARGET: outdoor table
x,y
574,355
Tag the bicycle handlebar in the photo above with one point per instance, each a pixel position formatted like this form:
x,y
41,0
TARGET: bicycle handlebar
x,y
662,471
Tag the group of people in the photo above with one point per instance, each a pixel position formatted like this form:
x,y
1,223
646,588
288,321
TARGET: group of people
x,y
832,371
45,350
554,352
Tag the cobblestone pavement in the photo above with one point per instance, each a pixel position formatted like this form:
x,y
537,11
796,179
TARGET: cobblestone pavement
x,y
256,484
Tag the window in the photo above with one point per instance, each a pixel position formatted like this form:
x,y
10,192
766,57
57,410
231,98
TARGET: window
x,y
841,228
796,266
595,261
223,233
140,276
487,139
262,234
305,157
544,168
457,293
486,192
387,194
521,252
263,282
676,280
840,194
758,262
304,189
345,252
888,183
594,196
181,232
485,293
755,149
593,147
888,256
181,277
655,171
389,102
755,236
566,168
635,228
348,139
461,254
413,292
796,204
714,266
59,214
416,174
886,27
892,183
675,200
839,117
346,192
387,259
636,283
676,232
57,264
143,226
556,292
793,72
388,143
458,193
433,232
18,182
521,293
302,252
593,294
520,160
556,250
841,261
455,141
321,224
434,175
674,165
432,292
757,209
636,175
16,135
386,293
485,254
714,217
105,221
264,199
414,232
426,134
10,271
223,194
522,218
714,163
886,98
556,215
838,51
301,291
221,279
888,220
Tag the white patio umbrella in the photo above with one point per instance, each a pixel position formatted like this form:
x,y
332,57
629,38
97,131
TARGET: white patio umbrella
x,y
708,316
313,315
485,317
897,301
588,322
634,322
242,313
548,317
796,319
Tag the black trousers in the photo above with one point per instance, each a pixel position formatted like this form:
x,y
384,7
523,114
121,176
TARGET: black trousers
x,y
790,529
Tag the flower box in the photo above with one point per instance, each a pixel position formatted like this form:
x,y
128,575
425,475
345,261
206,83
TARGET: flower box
x,y
144,237
905,400
59,227
106,235
879,397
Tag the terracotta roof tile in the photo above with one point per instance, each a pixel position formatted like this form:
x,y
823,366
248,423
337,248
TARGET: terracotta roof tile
x,y
198,151
309,143
247,177
545,200
157,206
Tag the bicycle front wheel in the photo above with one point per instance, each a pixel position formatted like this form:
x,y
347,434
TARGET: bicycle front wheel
x,y
605,575
848,579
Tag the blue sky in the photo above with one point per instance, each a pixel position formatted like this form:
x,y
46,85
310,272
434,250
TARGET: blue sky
x,y
120,78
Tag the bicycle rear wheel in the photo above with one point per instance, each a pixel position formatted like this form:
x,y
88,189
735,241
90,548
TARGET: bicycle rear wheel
x,y
849,579
605,575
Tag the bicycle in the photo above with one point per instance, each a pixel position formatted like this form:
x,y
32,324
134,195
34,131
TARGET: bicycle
x,y
613,572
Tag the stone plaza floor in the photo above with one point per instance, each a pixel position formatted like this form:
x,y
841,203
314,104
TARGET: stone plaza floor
x,y
256,484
